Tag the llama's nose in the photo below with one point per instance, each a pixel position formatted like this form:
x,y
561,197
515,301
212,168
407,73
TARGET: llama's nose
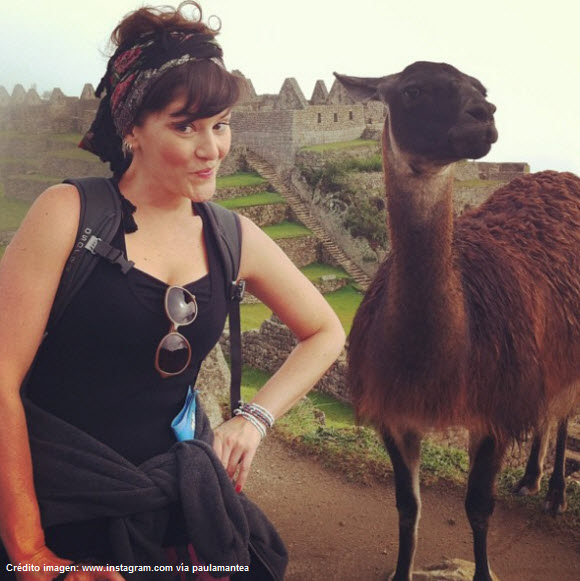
x,y
481,110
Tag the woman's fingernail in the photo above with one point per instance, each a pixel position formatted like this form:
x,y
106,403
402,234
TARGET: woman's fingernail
x,y
238,488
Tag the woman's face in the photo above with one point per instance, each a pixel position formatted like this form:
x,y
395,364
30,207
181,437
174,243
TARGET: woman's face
x,y
181,155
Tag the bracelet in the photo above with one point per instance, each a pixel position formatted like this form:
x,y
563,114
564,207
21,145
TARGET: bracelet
x,y
253,420
257,415
259,412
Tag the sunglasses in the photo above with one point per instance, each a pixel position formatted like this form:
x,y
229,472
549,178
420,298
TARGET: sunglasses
x,y
174,351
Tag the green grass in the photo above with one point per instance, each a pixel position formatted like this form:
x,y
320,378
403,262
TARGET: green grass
x,y
73,138
317,270
12,212
337,414
2,249
253,315
339,145
240,180
252,380
77,154
49,180
442,462
20,161
10,135
286,230
345,302
261,199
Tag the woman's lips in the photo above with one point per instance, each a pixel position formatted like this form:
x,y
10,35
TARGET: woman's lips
x,y
205,173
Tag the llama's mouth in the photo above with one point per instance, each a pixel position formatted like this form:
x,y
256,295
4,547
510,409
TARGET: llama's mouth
x,y
472,141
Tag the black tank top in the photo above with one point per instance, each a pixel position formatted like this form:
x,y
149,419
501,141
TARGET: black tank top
x,y
96,370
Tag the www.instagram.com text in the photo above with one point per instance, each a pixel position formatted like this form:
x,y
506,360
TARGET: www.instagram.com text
x,y
126,568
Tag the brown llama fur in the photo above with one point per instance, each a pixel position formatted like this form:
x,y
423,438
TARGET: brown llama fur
x,y
518,256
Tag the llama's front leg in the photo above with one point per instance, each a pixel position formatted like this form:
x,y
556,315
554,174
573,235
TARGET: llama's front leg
x,y
486,456
556,497
405,453
530,482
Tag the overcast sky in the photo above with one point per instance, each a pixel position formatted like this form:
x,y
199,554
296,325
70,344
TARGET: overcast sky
x,y
525,52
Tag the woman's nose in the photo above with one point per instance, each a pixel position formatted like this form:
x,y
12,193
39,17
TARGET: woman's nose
x,y
207,146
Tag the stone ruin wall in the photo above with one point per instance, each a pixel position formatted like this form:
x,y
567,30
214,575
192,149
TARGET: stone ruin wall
x,y
268,348
268,133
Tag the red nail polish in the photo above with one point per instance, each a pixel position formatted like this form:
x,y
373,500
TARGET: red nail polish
x,y
238,488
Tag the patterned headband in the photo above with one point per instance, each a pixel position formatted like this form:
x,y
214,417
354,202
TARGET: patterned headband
x,y
131,72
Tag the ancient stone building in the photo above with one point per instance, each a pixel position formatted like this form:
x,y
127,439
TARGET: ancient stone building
x,y
274,126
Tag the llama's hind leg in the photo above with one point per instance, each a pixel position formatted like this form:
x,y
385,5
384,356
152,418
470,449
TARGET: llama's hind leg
x,y
530,482
556,497
405,452
486,455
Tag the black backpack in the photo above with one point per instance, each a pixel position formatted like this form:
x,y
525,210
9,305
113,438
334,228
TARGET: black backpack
x,y
99,220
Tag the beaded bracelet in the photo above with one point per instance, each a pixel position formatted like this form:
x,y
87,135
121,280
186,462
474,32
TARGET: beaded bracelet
x,y
259,416
259,412
254,421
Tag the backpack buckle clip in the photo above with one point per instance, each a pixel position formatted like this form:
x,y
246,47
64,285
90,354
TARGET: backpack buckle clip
x,y
92,243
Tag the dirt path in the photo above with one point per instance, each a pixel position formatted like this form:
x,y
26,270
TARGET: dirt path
x,y
341,531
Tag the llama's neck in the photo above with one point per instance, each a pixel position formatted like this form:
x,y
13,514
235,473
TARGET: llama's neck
x,y
425,300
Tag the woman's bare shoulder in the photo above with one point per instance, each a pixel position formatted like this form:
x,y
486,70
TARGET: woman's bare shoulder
x,y
58,207
49,229
60,198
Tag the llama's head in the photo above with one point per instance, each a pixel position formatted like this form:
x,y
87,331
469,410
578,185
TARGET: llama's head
x,y
434,111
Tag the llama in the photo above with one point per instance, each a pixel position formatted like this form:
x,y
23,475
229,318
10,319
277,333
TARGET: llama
x,y
472,321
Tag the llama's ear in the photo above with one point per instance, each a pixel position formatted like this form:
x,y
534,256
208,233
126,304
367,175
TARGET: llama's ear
x,y
361,88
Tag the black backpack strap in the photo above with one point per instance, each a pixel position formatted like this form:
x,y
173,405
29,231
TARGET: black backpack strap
x,y
99,220
228,234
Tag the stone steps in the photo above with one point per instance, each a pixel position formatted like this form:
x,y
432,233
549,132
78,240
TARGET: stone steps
x,y
267,214
302,212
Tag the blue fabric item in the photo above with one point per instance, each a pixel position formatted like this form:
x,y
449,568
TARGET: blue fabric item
x,y
183,425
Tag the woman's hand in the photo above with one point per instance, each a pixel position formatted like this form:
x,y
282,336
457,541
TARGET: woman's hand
x,y
235,444
46,558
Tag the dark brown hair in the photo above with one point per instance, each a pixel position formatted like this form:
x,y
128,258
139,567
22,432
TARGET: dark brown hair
x,y
206,87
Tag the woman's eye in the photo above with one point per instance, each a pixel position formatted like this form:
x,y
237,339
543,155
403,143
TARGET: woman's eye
x,y
222,126
184,127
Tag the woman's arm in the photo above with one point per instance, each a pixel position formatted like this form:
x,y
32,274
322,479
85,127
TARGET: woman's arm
x,y
29,276
272,277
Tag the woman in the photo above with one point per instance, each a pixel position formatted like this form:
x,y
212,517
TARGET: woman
x,y
163,124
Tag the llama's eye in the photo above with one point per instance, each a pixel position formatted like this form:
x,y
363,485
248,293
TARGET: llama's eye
x,y
411,92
